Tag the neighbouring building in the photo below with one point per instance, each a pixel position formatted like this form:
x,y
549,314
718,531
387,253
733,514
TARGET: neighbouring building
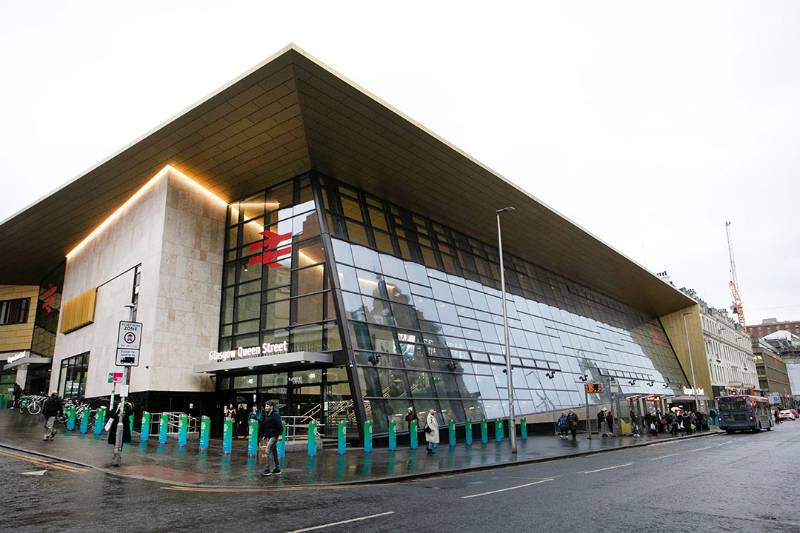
x,y
292,237
788,347
771,325
773,377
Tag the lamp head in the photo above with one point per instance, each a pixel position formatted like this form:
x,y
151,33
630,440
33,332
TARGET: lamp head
x,y
504,210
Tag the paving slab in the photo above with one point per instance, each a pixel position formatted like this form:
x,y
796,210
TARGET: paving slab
x,y
169,463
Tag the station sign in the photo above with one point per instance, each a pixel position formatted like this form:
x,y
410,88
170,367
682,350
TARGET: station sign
x,y
243,352
593,388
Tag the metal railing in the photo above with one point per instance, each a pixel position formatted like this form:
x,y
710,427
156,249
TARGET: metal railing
x,y
173,423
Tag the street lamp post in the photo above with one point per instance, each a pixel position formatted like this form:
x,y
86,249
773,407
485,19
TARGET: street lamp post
x,y
691,362
512,433
116,460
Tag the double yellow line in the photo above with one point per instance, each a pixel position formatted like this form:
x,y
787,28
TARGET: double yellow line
x,y
41,462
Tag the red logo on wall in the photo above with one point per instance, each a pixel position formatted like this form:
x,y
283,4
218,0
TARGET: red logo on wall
x,y
48,298
270,254
655,336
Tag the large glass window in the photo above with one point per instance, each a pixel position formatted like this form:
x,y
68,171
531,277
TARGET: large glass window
x,y
72,376
14,311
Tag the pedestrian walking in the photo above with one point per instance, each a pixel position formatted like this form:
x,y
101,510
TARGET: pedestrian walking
x,y
610,422
573,424
53,407
273,432
634,424
17,396
432,431
126,411
563,426
601,420
712,417
255,414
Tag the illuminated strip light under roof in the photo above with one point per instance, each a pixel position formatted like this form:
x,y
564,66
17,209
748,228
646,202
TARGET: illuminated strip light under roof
x,y
136,196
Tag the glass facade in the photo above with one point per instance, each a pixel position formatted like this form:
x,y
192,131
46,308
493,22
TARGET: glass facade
x,y
72,378
420,306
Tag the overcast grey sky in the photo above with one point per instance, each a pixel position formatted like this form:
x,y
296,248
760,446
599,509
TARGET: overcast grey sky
x,y
647,123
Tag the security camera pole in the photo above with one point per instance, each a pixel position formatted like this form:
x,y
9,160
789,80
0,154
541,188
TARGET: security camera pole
x,y
512,432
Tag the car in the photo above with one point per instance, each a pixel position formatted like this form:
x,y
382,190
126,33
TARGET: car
x,y
786,414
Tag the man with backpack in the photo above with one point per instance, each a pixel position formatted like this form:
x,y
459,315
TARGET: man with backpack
x,y
53,407
273,432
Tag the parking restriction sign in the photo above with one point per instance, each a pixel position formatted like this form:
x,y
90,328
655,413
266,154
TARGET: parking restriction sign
x,y
129,340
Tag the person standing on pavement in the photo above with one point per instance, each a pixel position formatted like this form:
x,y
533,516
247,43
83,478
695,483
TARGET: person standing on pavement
x,y
17,395
126,411
601,420
563,426
573,424
634,424
273,432
411,415
610,422
432,431
241,421
53,407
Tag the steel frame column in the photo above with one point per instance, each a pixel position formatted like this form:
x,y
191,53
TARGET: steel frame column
x,y
341,318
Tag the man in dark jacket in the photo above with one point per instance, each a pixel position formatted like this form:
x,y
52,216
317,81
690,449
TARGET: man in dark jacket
x,y
127,411
273,432
17,395
53,406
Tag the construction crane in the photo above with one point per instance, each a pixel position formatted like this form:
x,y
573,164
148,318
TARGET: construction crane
x,y
738,306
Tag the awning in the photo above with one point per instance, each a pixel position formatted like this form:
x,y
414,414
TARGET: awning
x,y
270,361
28,359
678,399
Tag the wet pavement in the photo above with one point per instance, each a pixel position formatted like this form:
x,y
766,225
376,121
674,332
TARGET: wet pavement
x,y
742,482
187,465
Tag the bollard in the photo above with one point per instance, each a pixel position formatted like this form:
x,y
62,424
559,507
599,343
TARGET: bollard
x,y
392,435
312,438
85,414
2,401
70,418
468,432
484,432
144,429
413,439
205,432
130,424
227,436
368,436
451,430
523,428
498,430
252,438
163,427
341,434
282,443
183,430
99,421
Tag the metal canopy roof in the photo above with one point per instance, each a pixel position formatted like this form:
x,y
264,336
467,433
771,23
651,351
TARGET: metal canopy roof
x,y
290,114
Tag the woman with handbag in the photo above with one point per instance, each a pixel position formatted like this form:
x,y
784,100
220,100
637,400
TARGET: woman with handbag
x,y
432,431
126,410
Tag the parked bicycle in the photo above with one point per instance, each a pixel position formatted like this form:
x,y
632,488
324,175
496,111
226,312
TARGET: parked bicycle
x,y
31,404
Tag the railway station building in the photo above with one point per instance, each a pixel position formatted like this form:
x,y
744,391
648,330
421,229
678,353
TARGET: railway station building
x,y
293,237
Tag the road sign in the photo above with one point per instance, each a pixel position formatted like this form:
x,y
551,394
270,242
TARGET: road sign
x,y
594,387
130,335
115,377
129,340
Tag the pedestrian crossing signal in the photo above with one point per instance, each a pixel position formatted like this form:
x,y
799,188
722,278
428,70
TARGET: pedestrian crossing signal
x,y
594,387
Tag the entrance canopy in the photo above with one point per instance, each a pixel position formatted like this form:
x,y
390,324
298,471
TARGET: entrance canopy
x,y
267,361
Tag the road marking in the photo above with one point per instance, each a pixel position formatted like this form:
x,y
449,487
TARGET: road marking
x,y
507,488
40,462
35,473
724,443
360,518
701,449
604,469
664,456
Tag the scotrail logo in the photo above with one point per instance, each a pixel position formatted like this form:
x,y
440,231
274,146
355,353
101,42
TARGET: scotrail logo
x,y
269,245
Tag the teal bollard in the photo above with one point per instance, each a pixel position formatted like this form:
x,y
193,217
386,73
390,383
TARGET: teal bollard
x,y
99,421
368,436
85,414
498,430
252,438
163,428
183,430
468,432
341,437
2,401
451,430
144,429
227,436
130,424
281,446
484,432
312,439
523,428
392,435
205,432
70,418
413,435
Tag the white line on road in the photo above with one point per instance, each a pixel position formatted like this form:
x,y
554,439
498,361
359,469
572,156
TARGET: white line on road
x,y
342,522
724,443
701,449
508,488
606,468
664,456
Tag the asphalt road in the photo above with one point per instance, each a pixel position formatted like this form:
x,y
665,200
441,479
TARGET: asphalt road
x,y
741,482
